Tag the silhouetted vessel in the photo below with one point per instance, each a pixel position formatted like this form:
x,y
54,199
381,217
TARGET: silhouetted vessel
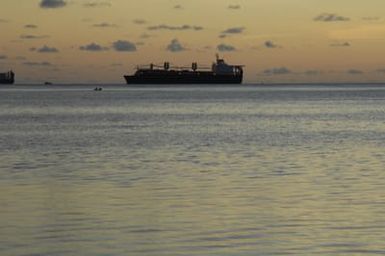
x,y
7,78
220,73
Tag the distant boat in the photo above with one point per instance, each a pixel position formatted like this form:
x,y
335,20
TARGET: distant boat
x,y
47,83
7,78
220,73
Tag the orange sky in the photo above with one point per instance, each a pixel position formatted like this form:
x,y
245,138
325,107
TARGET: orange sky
x,y
69,41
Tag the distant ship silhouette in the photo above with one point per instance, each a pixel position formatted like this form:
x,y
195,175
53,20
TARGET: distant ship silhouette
x,y
220,73
7,78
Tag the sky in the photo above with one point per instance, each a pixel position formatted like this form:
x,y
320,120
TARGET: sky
x,y
278,41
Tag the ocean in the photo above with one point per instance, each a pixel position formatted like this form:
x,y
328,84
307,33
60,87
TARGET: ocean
x,y
235,170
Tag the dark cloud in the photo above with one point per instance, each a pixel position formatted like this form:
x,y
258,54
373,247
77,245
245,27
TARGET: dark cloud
x,y
47,49
30,26
93,47
330,17
32,37
124,46
277,71
226,48
167,27
345,44
175,46
42,64
178,7
104,25
3,57
235,30
271,44
4,21
354,72
234,6
139,21
222,36
52,3
96,4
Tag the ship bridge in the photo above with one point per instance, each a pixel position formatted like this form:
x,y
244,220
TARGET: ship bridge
x,y
222,68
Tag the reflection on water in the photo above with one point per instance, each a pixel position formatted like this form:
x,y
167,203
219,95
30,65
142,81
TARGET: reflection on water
x,y
192,171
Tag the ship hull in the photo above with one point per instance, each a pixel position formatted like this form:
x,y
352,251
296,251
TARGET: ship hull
x,y
184,78
7,81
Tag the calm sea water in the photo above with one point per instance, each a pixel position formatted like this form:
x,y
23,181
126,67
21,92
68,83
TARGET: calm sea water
x,y
280,170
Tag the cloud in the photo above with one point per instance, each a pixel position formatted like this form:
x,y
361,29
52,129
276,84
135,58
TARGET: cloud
x,y
42,64
139,21
330,17
104,25
144,36
3,57
167,27
360,32
30,26
96,4
124,46
226,48
345,44
52,3
32,37
277,71
271,44
354,72
46,49
93,47
4,21
234,7
204,48
175,46
312,72
178,7
381,70
235,30
371,18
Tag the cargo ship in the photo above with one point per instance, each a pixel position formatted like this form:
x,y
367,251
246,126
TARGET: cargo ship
x,y
7,78
219,73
